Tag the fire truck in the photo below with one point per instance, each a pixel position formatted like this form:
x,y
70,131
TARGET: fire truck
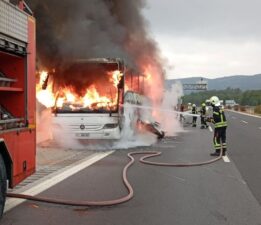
x,y
17,95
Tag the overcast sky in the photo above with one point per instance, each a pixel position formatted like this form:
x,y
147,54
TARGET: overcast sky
x,y
210,38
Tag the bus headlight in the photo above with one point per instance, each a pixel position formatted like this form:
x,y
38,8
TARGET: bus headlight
x,y
110,125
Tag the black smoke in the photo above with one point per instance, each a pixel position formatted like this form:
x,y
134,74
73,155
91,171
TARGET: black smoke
x,y
77,29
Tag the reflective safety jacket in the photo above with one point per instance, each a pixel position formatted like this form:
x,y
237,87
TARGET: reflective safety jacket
x,y
194,110
203,111
219,118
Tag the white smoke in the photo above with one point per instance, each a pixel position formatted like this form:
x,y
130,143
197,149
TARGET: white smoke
x,y
50,134
63,136
131,135
167,116
44,124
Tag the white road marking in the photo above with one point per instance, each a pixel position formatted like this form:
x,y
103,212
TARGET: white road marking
x,y
244,121
225,158
259,128
12,202
247,114
210,129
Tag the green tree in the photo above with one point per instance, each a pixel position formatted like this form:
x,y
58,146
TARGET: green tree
x,y
252,97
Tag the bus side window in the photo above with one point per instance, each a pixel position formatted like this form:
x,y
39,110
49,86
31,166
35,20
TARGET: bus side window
x,y
139,100
127,98
134,98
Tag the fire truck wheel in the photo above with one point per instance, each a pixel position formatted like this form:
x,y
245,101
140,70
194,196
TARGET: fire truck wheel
x,y
2,185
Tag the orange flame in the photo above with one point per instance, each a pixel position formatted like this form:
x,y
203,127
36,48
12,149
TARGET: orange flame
x,y
116,77
68,97
46,97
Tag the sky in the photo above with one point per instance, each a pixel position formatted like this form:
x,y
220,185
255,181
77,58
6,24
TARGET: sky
x,y
208,38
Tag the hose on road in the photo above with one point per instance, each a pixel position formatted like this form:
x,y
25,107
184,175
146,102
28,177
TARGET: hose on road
x,y
148,154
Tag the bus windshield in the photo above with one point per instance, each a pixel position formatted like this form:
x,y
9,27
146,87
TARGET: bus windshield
x,y
89,87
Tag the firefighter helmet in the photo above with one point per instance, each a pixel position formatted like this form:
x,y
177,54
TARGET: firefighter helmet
x,y
203,104
215,100
194,105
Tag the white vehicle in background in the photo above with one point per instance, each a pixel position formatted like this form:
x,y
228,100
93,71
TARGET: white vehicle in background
x,y
230,103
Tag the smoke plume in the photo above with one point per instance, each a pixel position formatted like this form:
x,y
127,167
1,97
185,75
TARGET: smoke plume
x,y
78,29
167,117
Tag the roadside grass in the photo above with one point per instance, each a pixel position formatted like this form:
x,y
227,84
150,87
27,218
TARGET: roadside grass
x,y
257,109
253,110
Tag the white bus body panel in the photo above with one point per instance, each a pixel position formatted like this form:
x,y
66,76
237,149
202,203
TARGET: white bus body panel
x,y
88,125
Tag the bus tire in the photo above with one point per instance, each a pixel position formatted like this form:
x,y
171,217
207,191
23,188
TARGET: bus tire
x,y
2,185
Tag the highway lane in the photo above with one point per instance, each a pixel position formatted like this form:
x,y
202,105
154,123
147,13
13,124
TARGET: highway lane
x,y
244,143
215,194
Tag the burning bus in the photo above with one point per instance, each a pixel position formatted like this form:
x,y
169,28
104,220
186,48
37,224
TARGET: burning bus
x,y
88,102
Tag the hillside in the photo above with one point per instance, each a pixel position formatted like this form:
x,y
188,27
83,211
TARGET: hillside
x,y
237,81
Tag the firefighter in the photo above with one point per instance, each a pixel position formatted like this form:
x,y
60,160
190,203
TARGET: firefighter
x,y
194,118
203,116
181,117
220,124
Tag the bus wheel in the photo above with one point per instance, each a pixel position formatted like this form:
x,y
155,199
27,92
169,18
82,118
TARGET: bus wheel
x,y
2,185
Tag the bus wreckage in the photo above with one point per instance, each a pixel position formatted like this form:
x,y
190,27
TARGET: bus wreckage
x,y
90,102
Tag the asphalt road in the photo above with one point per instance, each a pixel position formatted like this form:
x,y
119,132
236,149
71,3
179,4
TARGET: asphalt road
x,y
216,194
244,140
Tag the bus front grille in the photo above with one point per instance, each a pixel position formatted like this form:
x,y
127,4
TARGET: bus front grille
x,y
86,127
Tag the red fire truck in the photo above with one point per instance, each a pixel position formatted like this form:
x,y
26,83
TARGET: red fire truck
x,y
17,95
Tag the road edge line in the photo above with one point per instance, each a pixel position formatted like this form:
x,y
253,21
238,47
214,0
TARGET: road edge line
x,y
226,159
46,184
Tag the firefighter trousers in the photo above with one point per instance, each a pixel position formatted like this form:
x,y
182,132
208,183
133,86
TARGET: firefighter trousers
x,y
219,139
203,121
194,121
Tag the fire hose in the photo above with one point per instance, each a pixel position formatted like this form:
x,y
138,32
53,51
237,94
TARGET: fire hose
x,y
148,154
